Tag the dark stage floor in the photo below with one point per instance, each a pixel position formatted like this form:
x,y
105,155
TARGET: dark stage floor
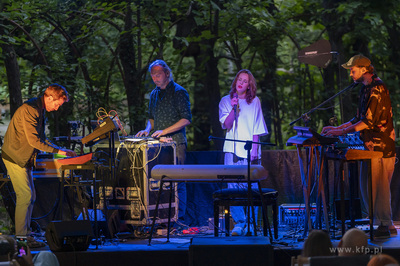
x,y
203,248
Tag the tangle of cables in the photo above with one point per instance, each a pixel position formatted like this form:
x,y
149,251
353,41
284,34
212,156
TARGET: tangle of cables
x,y
102,114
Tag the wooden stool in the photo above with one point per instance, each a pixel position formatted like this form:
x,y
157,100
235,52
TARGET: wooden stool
x,y
238,197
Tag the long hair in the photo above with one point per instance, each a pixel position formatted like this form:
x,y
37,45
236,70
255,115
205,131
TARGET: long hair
x,y
166,68
251,89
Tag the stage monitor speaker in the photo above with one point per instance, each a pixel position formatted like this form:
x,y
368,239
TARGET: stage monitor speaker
x,y
108,228
245,250
69,235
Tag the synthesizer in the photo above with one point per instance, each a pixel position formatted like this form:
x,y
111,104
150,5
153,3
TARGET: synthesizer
x,y
101,131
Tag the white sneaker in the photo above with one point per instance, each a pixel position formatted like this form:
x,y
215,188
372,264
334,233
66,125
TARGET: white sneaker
x,y
238,229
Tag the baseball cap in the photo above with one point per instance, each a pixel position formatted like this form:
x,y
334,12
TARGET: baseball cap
x,y
357,60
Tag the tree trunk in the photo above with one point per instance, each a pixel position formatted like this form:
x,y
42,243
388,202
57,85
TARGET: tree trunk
x,y
394,42
207,97
210,116
214,96
206,91
271,109
335,32
132,77
13,77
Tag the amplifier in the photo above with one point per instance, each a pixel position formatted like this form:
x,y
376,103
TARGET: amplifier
x,y
293,214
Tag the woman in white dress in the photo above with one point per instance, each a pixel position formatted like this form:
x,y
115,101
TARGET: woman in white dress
x,y
241,115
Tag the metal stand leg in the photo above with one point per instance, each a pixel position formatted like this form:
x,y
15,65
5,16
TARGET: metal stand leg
x,y
264,212
216,218
371,202
227,219
61,199
169,209
321,188
275,219
96,227
156,212
342,202
306,181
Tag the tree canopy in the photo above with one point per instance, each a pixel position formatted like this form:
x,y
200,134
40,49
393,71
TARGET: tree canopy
x,y
100,51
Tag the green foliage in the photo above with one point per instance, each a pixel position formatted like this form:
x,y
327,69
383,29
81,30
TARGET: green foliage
x,y
78,43
5,220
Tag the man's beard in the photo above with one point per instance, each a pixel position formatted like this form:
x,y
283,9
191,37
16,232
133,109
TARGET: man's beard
x,y
360,79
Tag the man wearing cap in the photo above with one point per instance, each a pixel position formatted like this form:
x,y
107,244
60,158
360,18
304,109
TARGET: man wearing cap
x,y
374,120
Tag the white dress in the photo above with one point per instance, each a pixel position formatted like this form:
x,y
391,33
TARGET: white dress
x,y
250,122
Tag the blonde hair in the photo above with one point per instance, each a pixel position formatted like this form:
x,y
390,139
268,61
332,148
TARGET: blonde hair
x,y
57,91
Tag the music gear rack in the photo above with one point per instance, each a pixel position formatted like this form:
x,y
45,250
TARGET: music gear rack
x,y
292,214
133,192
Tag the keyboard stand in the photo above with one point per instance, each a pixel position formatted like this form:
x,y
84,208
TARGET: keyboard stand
x,y
78,184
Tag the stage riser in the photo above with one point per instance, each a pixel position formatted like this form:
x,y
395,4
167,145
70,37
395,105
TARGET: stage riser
x,y
138,258
158,255
230,251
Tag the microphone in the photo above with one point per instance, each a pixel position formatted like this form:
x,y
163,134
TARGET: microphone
x,y
235,95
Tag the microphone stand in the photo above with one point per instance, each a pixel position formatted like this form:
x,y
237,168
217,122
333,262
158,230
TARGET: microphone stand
x,y
247,147
305,116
